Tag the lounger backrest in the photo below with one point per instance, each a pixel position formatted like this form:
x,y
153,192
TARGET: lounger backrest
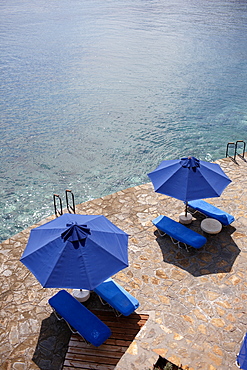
x,y
179,231
211,211
114,294
80,318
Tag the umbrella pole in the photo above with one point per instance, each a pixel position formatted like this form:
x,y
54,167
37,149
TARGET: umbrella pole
x,y
186,210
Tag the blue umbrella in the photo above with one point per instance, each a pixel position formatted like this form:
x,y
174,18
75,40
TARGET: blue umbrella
x,y
76,251
242,356
189,179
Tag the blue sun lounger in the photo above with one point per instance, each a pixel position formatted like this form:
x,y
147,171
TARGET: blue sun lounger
x,y
77,316
179,232
117,297
241,361
211,211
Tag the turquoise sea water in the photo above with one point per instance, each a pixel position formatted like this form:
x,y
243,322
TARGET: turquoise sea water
x,y
95,93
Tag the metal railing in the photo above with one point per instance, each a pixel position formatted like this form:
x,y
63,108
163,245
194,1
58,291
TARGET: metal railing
x,y
71,209
58,206
58,212
243,148
236,147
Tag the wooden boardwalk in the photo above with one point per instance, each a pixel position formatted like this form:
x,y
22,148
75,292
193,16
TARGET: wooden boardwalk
x,y
81,355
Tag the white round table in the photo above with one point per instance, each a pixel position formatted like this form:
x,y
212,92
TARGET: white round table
x,y
211,226
185,219
81,295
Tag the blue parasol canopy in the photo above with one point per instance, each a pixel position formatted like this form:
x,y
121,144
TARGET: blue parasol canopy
x,y
189,179
76,251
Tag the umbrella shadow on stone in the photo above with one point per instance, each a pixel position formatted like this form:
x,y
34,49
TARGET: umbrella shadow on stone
x,y
52,344
216,256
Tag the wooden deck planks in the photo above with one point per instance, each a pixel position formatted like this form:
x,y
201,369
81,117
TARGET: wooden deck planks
x,y
83,356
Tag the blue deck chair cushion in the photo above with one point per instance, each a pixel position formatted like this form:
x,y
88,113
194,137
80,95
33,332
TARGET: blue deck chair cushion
x,y
242,356
211,211
179,232
89,326
117,297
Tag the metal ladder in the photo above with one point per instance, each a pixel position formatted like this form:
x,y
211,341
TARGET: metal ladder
x,y
236,147
58,207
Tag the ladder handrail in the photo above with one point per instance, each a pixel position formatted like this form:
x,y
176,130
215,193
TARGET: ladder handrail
x,y
240,141
57,212
236,150
227,147
69,207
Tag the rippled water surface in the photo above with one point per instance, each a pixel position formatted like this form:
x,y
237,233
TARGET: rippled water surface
x,y
95,93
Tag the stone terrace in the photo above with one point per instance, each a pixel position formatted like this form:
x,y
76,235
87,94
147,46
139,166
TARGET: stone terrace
x,y
197,301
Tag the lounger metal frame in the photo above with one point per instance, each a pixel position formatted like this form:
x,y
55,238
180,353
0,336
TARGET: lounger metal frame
x,y
60,318
204,215
161,233
117,313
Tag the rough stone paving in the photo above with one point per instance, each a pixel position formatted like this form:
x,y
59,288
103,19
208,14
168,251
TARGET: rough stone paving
x,y
197,301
